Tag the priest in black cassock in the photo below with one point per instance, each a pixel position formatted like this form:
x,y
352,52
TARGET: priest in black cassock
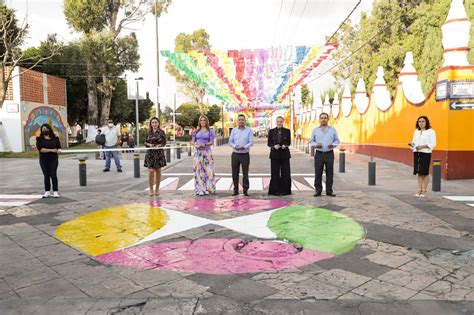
x,y
279,140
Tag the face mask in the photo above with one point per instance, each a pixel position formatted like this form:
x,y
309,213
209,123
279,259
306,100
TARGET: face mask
x,y
111,125
45,133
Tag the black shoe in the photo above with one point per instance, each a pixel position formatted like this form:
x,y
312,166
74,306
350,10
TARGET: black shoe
x,y
317,194
331,194
106,170
246,193
235,193
119,170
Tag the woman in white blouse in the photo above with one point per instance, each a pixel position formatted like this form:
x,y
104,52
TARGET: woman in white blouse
x,y
423,143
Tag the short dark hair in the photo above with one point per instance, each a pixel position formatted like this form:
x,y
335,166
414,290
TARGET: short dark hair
x,y
241,115
428,125
327,115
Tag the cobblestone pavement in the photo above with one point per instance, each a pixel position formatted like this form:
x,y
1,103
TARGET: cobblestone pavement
x,y
415,255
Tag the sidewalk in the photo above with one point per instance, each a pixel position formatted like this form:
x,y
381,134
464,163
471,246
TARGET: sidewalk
x,y
371,249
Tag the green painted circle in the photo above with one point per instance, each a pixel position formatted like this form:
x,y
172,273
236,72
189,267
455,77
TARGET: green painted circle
x,y
316,228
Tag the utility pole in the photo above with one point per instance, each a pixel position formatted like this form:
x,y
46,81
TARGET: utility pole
x,y
137,123
157,106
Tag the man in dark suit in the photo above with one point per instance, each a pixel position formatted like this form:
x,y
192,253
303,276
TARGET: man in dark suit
x,y
279,140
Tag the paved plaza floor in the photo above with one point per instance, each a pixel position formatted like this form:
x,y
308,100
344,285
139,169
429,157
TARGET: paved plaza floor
x,y
109,248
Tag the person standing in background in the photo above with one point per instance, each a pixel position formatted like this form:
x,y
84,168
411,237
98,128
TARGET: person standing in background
x,y
112,140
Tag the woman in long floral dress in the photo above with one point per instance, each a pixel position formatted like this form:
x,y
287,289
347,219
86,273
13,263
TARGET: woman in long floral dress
x,y
203,139
155,159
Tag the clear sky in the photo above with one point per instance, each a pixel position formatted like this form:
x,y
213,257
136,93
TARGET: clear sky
x,y
232,24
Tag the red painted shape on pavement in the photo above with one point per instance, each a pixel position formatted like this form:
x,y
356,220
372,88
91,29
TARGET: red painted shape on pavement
x,y
220,205
215,256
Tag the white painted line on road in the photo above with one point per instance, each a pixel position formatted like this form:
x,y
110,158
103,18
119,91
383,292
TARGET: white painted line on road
x,y
470,204
188,186
460,198
165,182
310,181
13,203
33,197
224,183
256,183
230,174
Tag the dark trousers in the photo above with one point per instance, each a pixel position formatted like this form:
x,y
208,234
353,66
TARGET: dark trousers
x,y
323,160
237,160
49,166
280,183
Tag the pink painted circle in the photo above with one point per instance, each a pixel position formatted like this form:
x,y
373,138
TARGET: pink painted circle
x,y
220,205
215,256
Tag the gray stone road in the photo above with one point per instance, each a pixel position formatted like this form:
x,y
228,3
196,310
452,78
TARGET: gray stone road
x,y
417,256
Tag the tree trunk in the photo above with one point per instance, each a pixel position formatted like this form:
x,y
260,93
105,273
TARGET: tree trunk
x,y
92,108
107,91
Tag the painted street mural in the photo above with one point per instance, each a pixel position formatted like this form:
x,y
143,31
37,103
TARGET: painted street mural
x,y
285,235
39,116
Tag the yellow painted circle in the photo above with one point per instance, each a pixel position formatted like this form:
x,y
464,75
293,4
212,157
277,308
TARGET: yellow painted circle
x,y
109,229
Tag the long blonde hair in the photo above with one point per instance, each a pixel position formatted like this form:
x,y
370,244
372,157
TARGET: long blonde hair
x,y
199,123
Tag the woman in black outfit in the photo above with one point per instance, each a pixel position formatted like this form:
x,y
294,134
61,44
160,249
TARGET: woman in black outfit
x,y
279,140
48,146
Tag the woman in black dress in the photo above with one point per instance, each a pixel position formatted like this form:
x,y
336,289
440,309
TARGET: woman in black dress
x,y
155,159
48,146
279,141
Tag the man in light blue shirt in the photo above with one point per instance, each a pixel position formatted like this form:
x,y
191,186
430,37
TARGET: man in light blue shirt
x,y
241,139
324,138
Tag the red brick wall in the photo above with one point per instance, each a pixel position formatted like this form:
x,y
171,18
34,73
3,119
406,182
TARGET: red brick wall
x,y
56,91
9,96
31,86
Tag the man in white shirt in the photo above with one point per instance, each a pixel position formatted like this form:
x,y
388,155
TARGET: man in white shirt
x,y
112,139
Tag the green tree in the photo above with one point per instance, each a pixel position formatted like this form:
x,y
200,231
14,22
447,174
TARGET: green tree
x,y
67,64
189,114
198,40
167,115
384,37
214,114
306,98
123,109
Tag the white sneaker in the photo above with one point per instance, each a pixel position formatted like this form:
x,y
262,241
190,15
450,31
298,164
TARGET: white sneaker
x,y
201,194
55,194
47,194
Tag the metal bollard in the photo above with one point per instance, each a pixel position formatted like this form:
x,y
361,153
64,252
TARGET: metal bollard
x,y
312,150
189,150
168,154
342,161
436,184
372,172
306,148
178,153
82,172
136,165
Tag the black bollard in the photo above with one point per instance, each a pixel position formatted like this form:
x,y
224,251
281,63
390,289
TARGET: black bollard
x,y
342,161
82,172
306,148
168,154
189,150
178,153
436,184
372,173
312,150
136,165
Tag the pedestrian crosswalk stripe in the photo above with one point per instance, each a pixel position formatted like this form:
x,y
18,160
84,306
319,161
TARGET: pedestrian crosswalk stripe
x,y
17,200
225,184
470,204
460,198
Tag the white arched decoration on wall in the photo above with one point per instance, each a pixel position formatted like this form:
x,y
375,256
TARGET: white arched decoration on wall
x,y
335,106
380,93
346,101
456,34
408,79
361,100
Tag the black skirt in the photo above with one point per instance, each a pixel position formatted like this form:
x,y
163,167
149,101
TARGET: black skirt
x,y
421,164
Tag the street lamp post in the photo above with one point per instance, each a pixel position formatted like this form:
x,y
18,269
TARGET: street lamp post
x,y
137,124
174,118
157,65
